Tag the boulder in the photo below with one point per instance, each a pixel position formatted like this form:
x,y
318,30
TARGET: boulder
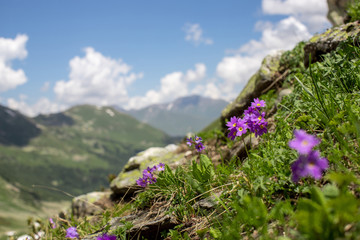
x,y
326,42
337,11
90,204
260,81
124,185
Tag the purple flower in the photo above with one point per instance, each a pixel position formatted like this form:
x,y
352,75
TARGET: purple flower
x,y
232,134
197,142
252,120
197,139
189,141
106,237
199,147
260,128
250,110
303,142
233,123
152,180
148,172
258,103
241,129
311,165
160,167
52,223
258,117
142,182
71,233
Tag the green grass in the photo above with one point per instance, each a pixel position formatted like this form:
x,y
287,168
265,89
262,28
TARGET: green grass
x,y
256,197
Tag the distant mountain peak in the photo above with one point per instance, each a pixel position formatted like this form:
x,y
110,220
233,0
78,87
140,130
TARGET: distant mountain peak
x,y
185,114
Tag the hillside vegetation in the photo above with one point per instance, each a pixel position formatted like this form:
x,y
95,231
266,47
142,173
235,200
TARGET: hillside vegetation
x,y
65,155
76,156
297,180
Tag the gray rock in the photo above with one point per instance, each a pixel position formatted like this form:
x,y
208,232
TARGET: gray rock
x,y
124,185
326,42
259,82
90,204
337,11
146,224
207,203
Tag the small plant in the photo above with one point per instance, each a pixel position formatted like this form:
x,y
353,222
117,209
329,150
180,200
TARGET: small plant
x,y
71,232
353,10
309,163
148,175
253,120
197,142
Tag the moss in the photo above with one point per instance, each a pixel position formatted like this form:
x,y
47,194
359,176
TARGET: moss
x,y
337,33
322,35
269,66
131,176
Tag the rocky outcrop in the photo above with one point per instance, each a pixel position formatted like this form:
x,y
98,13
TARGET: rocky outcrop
x,y
337,11
326,42
124,185
147,223
90,204
258,84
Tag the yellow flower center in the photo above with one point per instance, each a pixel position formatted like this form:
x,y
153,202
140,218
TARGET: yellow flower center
x,y
261,126
304,142
234,133
260,117
240,129
311,165
234,125
258,104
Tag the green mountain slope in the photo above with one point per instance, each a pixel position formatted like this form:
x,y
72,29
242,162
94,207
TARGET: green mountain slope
x,y
74,152
16,129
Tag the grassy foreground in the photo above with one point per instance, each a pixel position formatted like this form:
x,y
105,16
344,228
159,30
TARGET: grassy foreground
x,y
258,197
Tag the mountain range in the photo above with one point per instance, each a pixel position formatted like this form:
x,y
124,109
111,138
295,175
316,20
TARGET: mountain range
x,y
181,116
51,157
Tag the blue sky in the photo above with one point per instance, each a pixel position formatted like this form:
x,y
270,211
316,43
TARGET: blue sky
x,y
56,54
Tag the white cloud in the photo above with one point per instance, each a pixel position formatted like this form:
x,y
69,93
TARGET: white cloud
x,y
43,106
311,12
194,34
11,49
236,70
45,86
173,85
210,90
96,79
283,36
197,74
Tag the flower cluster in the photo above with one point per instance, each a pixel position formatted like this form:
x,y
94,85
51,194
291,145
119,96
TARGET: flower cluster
x,y
253,120
309,164
71,232
199,146
106,237
148,175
